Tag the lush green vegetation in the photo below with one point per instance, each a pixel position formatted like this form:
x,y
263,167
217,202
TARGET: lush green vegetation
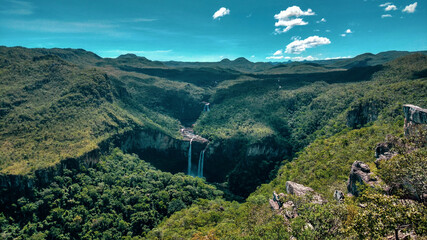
x,y
324,166
122,196
52,109
288,114
308,128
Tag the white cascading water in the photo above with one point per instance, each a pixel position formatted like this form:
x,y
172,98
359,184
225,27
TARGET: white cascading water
x,y
189,158
201,162
206,108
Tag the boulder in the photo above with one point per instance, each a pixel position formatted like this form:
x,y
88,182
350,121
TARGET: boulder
x,y
285,209
415,119
274,205
383,152
360,173
338,195
301,190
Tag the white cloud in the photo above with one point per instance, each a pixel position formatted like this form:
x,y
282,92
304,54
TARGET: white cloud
x,y
221,13
385,4
275,57
290,18
390,8
298,59
308,58
299,46
348,31
293,11
278,52
410,8
386,16
289,24
321,20
253,56
337,58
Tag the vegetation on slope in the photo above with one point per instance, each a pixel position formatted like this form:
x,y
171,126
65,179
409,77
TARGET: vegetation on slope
x,y
324,166
122,196
52,110
288,115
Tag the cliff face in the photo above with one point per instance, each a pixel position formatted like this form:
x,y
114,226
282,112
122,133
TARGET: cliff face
x,y
415,119
164,152
16,186
363,113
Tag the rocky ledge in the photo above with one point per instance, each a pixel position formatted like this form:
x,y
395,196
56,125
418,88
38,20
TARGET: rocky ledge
x,y
360,174
188,135
415,119
287,208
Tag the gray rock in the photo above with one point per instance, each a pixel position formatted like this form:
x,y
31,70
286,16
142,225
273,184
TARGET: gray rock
x,y
275,196
338,195
415,119
297,189
274,205
363,113
383,153
301,190
360,173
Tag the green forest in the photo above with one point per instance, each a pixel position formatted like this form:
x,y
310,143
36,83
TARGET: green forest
x,y
92,148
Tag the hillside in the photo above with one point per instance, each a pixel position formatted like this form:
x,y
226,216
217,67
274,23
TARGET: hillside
x,y
101,101
69,119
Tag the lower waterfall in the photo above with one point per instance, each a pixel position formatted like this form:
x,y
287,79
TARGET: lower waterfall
x,y
206,107
189,158
201,162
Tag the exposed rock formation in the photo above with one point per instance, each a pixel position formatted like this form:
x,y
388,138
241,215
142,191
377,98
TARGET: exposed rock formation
x,y
301,190
257,150
415,119
338,195
383,152
159,149
188,135
361,174
288,209
363,113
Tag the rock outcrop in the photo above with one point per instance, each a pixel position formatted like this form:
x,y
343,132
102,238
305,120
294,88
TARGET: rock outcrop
x,y
301,190
338,195
415,119
188,135
360,173
363,113
383,152
287,208
159,148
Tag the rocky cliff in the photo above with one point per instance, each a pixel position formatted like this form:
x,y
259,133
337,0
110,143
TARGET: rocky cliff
x,y
163,151
363,113
415,119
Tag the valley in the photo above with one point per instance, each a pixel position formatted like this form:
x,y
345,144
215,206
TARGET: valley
x,y
131,147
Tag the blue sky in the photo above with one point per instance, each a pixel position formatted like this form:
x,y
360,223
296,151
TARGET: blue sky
x,y
209,30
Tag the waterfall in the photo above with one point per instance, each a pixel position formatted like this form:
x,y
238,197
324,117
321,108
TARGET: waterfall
x,y
206,108
201,162
189,158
